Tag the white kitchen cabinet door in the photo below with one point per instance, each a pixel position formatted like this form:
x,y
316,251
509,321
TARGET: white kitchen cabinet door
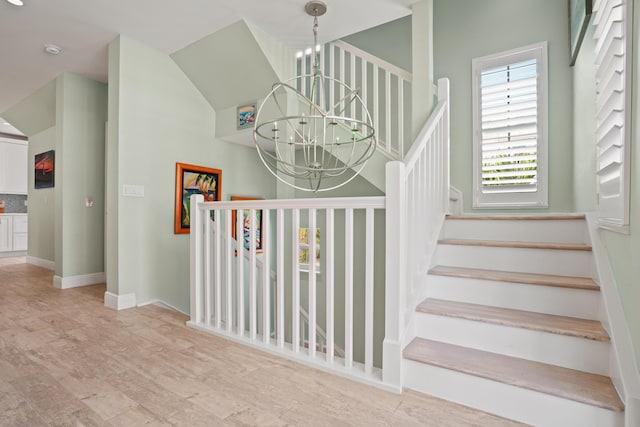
x,y
6,233
13,166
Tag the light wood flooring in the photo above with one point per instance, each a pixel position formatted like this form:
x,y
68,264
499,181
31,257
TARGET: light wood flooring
x,y
66,360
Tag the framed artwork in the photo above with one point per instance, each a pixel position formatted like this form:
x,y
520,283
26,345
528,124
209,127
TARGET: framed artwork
x,y
246,116
190,180
579,15
245,222
44,169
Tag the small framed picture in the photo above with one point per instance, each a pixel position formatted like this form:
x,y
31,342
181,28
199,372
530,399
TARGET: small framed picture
x,y
246,116
246,234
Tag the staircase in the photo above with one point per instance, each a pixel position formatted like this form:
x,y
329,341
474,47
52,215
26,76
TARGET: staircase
x,y
510,323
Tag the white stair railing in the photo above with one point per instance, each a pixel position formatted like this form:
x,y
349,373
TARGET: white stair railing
x,y
417,201
384,88
231,296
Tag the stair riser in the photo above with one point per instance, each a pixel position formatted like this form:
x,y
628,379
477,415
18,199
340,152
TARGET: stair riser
x,y
561,350
508,401
565,231
542,261
578,303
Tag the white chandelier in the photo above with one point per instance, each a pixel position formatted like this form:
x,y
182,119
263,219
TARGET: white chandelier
x,y
314,132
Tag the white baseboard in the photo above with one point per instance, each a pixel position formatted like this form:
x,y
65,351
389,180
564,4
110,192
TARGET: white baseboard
x,y
119,302
80,280
12,254
39,262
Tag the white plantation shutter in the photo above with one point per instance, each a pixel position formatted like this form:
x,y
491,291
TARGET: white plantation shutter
x,y
612,20
509,128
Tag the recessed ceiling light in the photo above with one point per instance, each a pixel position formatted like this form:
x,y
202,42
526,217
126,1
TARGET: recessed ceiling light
x,y
16,2
52,49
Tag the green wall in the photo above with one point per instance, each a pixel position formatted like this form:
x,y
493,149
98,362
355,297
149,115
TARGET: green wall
x,y
390,41
467,29
623,249
81,111
157,117
41,202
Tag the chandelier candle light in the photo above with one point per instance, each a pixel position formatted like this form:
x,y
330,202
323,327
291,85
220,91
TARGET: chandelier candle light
x,y
314,132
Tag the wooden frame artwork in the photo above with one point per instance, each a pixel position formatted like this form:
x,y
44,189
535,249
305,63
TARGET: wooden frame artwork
x,y
190,180
579,15
245,234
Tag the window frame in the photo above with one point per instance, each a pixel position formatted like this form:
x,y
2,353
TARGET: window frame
x,y
512,200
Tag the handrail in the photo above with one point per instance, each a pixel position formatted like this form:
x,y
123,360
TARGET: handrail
x,y
375,202
406,75
422,139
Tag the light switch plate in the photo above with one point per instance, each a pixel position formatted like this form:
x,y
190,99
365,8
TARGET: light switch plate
x,y
130,190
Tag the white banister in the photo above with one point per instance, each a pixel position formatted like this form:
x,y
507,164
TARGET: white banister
x,y
414,208
341,64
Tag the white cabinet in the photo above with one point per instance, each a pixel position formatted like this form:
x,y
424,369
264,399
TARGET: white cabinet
x,y
6,233
13,166
20,229
13,232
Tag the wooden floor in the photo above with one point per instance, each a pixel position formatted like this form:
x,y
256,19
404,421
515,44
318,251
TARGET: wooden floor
x,y
66,360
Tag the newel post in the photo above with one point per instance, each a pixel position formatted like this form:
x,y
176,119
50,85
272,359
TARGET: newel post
x,y
395,272
196,257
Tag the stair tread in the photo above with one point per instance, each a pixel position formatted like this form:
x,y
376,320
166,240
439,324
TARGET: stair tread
x,y
591,389
514,244
553,217
561,325
573,282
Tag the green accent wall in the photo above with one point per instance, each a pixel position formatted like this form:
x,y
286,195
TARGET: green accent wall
x,y
464,30
390,41
41,201
81,111
158,117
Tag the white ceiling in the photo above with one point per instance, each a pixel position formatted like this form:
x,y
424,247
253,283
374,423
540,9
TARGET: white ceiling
x,y
83,29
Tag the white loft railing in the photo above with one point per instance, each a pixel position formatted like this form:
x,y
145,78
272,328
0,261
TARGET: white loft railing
x,y
229,299
238,299
384,88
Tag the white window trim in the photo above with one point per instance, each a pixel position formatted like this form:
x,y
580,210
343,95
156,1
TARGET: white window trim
x,y
539,198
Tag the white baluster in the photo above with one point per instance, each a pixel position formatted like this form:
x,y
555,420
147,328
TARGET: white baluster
x,y
228,271
240,271
217,281
253,304
348,288
311,235
387,110
295,280
207,269
376,102
368,298
280,279
363,89
266,277
400,118
352,81
195,240
329,281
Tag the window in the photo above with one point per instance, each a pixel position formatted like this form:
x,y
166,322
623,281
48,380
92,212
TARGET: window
x,y
303,256
509,128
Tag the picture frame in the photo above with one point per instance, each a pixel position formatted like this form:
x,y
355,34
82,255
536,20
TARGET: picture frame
x,y
579,15
246,116
245,234
44,170
190,180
